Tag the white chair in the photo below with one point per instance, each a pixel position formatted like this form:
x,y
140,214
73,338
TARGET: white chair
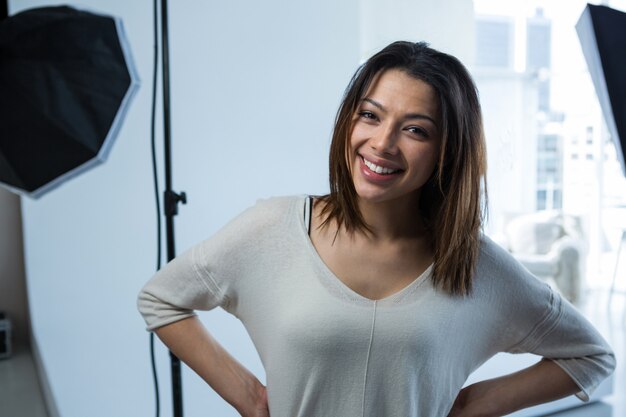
x,y
551,246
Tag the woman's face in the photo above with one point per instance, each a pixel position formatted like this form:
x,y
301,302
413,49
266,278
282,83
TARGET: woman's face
x,y
394,145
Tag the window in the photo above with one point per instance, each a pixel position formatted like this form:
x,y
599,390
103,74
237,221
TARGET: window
x,y
494,42
542,119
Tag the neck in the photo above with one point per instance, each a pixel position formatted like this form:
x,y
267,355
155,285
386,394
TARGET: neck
x,y
394,219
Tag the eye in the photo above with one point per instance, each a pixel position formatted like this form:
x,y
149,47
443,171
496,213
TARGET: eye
x,y
366,114
416,130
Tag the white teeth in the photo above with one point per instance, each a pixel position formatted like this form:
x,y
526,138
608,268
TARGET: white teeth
x,y
378,169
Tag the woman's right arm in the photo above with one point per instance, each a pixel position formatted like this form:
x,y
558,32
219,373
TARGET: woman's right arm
x,y
167,303
192,344
209,275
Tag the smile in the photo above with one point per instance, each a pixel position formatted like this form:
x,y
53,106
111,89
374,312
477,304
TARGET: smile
x,y
379,169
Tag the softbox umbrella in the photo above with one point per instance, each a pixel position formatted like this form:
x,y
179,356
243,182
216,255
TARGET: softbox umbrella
x,y
66,82
602,34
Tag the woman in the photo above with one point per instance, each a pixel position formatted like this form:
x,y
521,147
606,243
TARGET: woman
x,y
380,298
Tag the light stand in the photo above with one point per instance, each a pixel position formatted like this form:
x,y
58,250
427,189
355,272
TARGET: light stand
x,y
170,197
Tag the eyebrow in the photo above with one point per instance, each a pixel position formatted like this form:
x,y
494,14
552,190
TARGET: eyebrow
x,y
407,116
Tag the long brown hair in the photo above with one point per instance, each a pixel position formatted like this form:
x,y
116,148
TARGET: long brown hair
x,y
453,201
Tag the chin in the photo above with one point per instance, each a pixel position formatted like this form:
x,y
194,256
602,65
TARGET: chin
x,y
378,196
372,196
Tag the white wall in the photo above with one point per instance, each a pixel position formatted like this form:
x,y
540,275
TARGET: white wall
x,y
255,87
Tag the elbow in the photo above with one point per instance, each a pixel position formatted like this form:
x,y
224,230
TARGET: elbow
x,y
606,360
610,362
144,301
157,312
145,306
604,363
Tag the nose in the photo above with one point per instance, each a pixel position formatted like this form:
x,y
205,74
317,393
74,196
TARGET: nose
x,y
384,140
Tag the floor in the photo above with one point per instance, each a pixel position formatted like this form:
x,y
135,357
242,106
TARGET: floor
x,y
20,395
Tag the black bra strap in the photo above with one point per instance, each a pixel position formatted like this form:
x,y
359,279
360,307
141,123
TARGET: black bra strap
x,y
308,211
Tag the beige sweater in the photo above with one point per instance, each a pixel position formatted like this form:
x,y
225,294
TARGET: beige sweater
x,y
328,351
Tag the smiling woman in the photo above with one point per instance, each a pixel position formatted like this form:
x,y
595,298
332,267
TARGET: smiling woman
x,y
434,97
380,298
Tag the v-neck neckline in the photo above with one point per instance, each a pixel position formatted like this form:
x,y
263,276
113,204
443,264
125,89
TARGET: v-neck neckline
x,y
329,278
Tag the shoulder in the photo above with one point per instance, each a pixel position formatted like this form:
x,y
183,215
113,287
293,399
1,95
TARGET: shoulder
x,y
279,205
270,211
254,230
497,271
267,219
493,259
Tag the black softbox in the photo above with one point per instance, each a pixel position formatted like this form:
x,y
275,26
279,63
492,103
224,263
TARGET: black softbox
x,y
66,82
602,34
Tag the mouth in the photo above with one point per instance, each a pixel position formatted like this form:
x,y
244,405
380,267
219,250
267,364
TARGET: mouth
x,y
379,169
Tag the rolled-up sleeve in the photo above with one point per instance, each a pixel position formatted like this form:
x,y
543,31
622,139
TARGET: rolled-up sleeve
x,y
211,273
566,337
562,334
179,288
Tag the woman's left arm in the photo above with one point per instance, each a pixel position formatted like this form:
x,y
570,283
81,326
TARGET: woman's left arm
x,y
576,360
530,317
540,383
